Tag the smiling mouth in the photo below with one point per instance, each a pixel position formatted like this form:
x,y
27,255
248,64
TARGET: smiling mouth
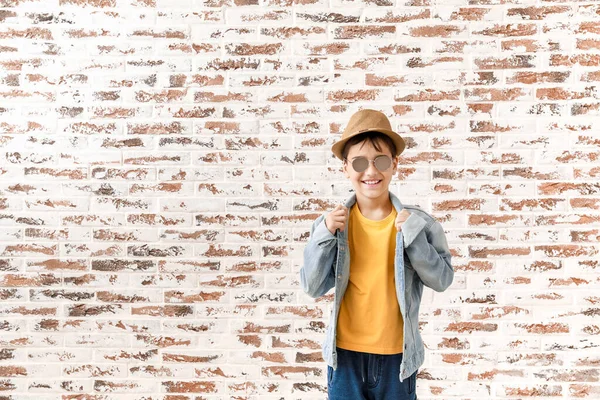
x,y
371,183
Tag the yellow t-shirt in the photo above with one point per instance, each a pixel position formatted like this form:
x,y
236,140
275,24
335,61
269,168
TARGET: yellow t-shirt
x,y
370,320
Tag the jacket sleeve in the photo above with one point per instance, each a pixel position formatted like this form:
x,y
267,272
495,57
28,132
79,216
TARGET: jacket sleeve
x,y
428,252
317,274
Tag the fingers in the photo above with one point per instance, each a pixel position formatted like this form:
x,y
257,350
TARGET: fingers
x,y
340,207
401,218
402,215
340,211
338,217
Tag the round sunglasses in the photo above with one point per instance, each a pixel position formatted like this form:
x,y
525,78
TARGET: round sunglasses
x,y
382,163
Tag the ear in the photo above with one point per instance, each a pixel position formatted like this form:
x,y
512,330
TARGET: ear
x,y
394,164
345,168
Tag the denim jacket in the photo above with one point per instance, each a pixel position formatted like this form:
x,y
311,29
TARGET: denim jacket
x,y
424,260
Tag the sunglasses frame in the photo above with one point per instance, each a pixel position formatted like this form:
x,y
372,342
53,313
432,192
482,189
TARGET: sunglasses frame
x,y
370,161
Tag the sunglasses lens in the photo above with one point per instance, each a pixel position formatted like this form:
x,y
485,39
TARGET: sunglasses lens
x,y
382,163
360,164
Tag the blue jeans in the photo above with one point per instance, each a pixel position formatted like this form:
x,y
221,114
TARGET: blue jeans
x,y
369,377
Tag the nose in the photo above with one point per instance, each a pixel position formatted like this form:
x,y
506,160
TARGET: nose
x,y
371,169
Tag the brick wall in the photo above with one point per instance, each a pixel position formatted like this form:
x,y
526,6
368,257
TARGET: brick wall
x,y
162,161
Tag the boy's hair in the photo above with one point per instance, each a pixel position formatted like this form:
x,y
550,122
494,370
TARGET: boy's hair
x,y
374,138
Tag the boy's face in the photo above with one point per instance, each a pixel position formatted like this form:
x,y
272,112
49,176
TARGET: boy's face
x,y
361,181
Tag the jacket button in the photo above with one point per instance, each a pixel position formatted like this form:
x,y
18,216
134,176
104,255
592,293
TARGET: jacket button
x,y
339,277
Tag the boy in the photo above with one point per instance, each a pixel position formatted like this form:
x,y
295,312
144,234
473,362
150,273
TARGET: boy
x,y
377,254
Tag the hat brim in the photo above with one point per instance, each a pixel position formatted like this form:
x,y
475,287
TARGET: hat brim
x,y
338,146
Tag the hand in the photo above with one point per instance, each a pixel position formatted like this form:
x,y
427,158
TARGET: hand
x,y
401,218
337,219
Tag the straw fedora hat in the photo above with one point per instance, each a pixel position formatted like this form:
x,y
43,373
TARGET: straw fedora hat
x,y
368,121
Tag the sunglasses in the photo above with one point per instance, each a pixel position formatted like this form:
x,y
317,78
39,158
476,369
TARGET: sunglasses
x,y
382,163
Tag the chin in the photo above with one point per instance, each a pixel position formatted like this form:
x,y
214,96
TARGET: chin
x,y
372,193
